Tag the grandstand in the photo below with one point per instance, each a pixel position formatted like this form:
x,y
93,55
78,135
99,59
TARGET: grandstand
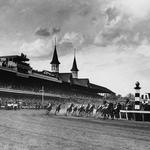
x,y
20,81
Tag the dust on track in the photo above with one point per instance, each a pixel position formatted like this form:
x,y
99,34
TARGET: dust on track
x,y
33,130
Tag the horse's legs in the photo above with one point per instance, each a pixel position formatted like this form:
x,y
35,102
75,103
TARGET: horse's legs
x,y
58,111
66,113
79,114
104,116
91,114
107,115
74,113
55,112
97,114
87,114
82,113
112,115
47,112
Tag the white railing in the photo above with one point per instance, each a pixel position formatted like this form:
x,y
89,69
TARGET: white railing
x,y
134,112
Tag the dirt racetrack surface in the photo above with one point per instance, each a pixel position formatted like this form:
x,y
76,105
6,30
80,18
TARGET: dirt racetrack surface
x,y
33,130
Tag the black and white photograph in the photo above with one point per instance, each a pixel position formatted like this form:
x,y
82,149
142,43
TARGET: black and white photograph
x,y
74,74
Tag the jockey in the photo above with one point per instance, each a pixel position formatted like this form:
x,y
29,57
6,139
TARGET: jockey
x,y
59,106
88,107
105,104
49,108
49,105
82,106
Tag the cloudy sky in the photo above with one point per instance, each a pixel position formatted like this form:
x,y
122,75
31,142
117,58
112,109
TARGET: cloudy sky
x,y
112,37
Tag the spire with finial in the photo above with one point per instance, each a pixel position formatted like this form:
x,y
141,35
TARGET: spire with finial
x,y
55,62
74,68
137,86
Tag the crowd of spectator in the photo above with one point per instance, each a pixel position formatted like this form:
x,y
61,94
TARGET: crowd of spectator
x,y
48,89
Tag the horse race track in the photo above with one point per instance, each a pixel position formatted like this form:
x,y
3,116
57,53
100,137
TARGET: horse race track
x,y
33,130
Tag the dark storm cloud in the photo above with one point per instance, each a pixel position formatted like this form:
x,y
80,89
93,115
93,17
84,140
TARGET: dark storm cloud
x,y
55,30
45,32
94,19
123,29
49,17
42,32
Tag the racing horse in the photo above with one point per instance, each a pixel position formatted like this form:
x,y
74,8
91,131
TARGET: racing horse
x,y
87,109
58,107
98,111
49,108
111,110
69,109
75,110
81,110
117,110
91,110
107,110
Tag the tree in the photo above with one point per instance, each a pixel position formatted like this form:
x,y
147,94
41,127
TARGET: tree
x,y
130,96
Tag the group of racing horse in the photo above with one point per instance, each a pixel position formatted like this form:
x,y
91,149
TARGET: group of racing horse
x,y
106,110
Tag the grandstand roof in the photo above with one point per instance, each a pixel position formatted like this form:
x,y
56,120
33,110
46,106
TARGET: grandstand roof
x,y
65,77
81,82
100,89
22,57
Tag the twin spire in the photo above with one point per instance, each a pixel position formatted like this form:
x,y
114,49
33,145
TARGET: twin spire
x,y
74,66
55,63
55,57
74,69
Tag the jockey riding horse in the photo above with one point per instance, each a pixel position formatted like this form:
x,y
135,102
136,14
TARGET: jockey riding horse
x,y
87,109
107,110
81,110
58,107
75,110
69,109
91,109
49,108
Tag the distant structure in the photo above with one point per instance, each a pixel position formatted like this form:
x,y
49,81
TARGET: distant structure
x,y
145,97
137,95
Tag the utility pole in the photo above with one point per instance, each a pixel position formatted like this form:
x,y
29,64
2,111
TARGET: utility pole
x,y
42,96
